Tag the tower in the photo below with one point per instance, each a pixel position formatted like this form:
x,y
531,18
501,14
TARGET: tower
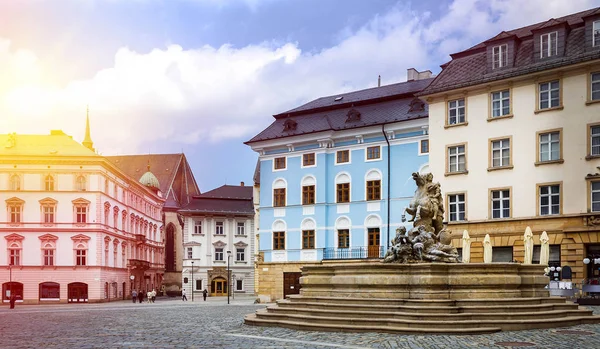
x,y
87,141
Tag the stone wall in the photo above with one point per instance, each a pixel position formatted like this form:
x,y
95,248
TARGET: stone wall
x,y
270,278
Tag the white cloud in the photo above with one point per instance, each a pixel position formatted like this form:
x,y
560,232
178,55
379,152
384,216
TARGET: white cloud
x,y
217,94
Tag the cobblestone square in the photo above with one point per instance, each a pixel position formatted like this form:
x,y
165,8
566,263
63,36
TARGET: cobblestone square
x,y
171,323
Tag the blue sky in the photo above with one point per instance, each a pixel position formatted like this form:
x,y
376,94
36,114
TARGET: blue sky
x,y
203,76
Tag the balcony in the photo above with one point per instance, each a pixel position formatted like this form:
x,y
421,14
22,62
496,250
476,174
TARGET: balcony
x,y
140,239
138,264
357,252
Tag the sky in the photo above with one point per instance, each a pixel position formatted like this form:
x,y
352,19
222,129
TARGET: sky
x,y
204,76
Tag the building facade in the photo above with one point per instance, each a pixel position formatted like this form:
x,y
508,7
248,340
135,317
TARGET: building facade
x,y
514,124
73,227
178,184
335,177
218,242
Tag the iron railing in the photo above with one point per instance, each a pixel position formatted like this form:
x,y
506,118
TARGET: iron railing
x,y
356,252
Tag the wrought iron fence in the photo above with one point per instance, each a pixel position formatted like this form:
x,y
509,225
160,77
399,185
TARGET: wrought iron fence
x,y
356,252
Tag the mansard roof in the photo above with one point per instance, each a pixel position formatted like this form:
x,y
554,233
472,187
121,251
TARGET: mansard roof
x,y
227,199
469,67
369,107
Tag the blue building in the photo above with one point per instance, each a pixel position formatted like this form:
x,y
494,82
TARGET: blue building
x,y
335,177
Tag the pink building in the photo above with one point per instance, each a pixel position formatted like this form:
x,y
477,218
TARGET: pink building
x,y
73,226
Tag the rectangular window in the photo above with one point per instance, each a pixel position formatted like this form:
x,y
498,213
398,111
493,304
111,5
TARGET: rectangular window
x,y
197,227
342,156
308,159
81,257
308,194
424,145
373,153
554,256
500,56
595,86
81,214
198,284
241,228
239,285
548,45
549,146
596,33
500,103
218,254
549,94
308,239
595,140
280,163
279,240
501,153
343,238
279,197
48,257
190,253
48,214
549,199
240,254
373,190
15,214
456,112
15,257
219,228
501,203
502,254
343,192
595,199
456,207
457,159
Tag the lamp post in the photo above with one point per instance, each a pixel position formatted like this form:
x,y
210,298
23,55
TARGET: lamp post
x,y
192,281
10,281
228,276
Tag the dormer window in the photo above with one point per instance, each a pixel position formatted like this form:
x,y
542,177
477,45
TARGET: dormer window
x,y
416,105
290,125
548,45
353,115
500,56
596,34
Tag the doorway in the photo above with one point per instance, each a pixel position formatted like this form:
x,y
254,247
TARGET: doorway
x,y
77,292
218,287
291,283
373,243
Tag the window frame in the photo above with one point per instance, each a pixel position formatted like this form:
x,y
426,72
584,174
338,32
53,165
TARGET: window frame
x,y
239,225
308,239
346,238
421,142
450,204
81,256
502,150
277,162
305,163
590,87
197,227
538,146
240,251
219,228
348,158
371,151
373,190
538,97
14,182
549,53
279,197
342,193
278,240
539,199
590,196
447,156
502,101
457,107
596,31
80,183
190,252
14,211
308,194
219,254
48,254
502,200
502,56
590,142
49,183
14,253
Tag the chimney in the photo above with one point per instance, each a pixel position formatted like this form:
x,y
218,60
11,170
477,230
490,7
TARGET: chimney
x,y
379,81
412,74
241,184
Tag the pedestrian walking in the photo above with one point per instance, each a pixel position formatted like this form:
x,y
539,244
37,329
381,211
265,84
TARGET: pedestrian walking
x,y
149,295
134,296
204,294
153,295
13,299
183,297
140,296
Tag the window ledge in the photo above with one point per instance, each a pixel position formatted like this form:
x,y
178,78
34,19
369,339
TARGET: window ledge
x,y
215,235
592,157
241,262
500,168
537,111
458,222
455,125
456,173
201,234
494,118
241,236
590,102
559,161
219,262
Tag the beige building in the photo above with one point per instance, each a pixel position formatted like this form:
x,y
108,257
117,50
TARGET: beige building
x,y
515,140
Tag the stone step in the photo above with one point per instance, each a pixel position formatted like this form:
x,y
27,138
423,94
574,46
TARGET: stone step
x,y
384,314
427,325
441,309
252,319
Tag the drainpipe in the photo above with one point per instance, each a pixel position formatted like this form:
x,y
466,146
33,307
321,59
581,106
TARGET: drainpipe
x,y
388,184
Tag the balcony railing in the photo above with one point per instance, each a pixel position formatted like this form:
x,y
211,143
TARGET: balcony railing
x,y
356,252
139,264
140,238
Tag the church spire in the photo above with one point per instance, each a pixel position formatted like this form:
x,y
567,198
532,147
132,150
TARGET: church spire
x,y
87,141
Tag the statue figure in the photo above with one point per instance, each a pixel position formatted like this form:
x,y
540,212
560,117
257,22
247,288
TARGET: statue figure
x,y
428,240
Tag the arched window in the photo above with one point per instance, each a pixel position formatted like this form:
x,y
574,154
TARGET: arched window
x,y
373,185
81,254
279,192
309,184
308,227
342,187
14,253
15,182
80,184
343,227
48,251
49,183
279,228
373,224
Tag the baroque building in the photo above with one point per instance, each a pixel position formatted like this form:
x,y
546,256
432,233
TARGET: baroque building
x,y
515,141
178,185
334,177
218,242
73,227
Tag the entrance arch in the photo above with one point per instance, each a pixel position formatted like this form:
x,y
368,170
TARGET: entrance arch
x,y
218,287
77,292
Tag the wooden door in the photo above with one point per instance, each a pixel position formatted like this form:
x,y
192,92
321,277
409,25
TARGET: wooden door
x,y
291,283
77,292
218,287
374,243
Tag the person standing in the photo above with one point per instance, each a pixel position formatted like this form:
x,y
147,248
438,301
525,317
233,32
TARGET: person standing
x,y
183,297
153,295
134,296
13,299
140,296
204,294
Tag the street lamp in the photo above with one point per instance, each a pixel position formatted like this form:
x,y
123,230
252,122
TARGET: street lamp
x,y
192,281
228,276
10,281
